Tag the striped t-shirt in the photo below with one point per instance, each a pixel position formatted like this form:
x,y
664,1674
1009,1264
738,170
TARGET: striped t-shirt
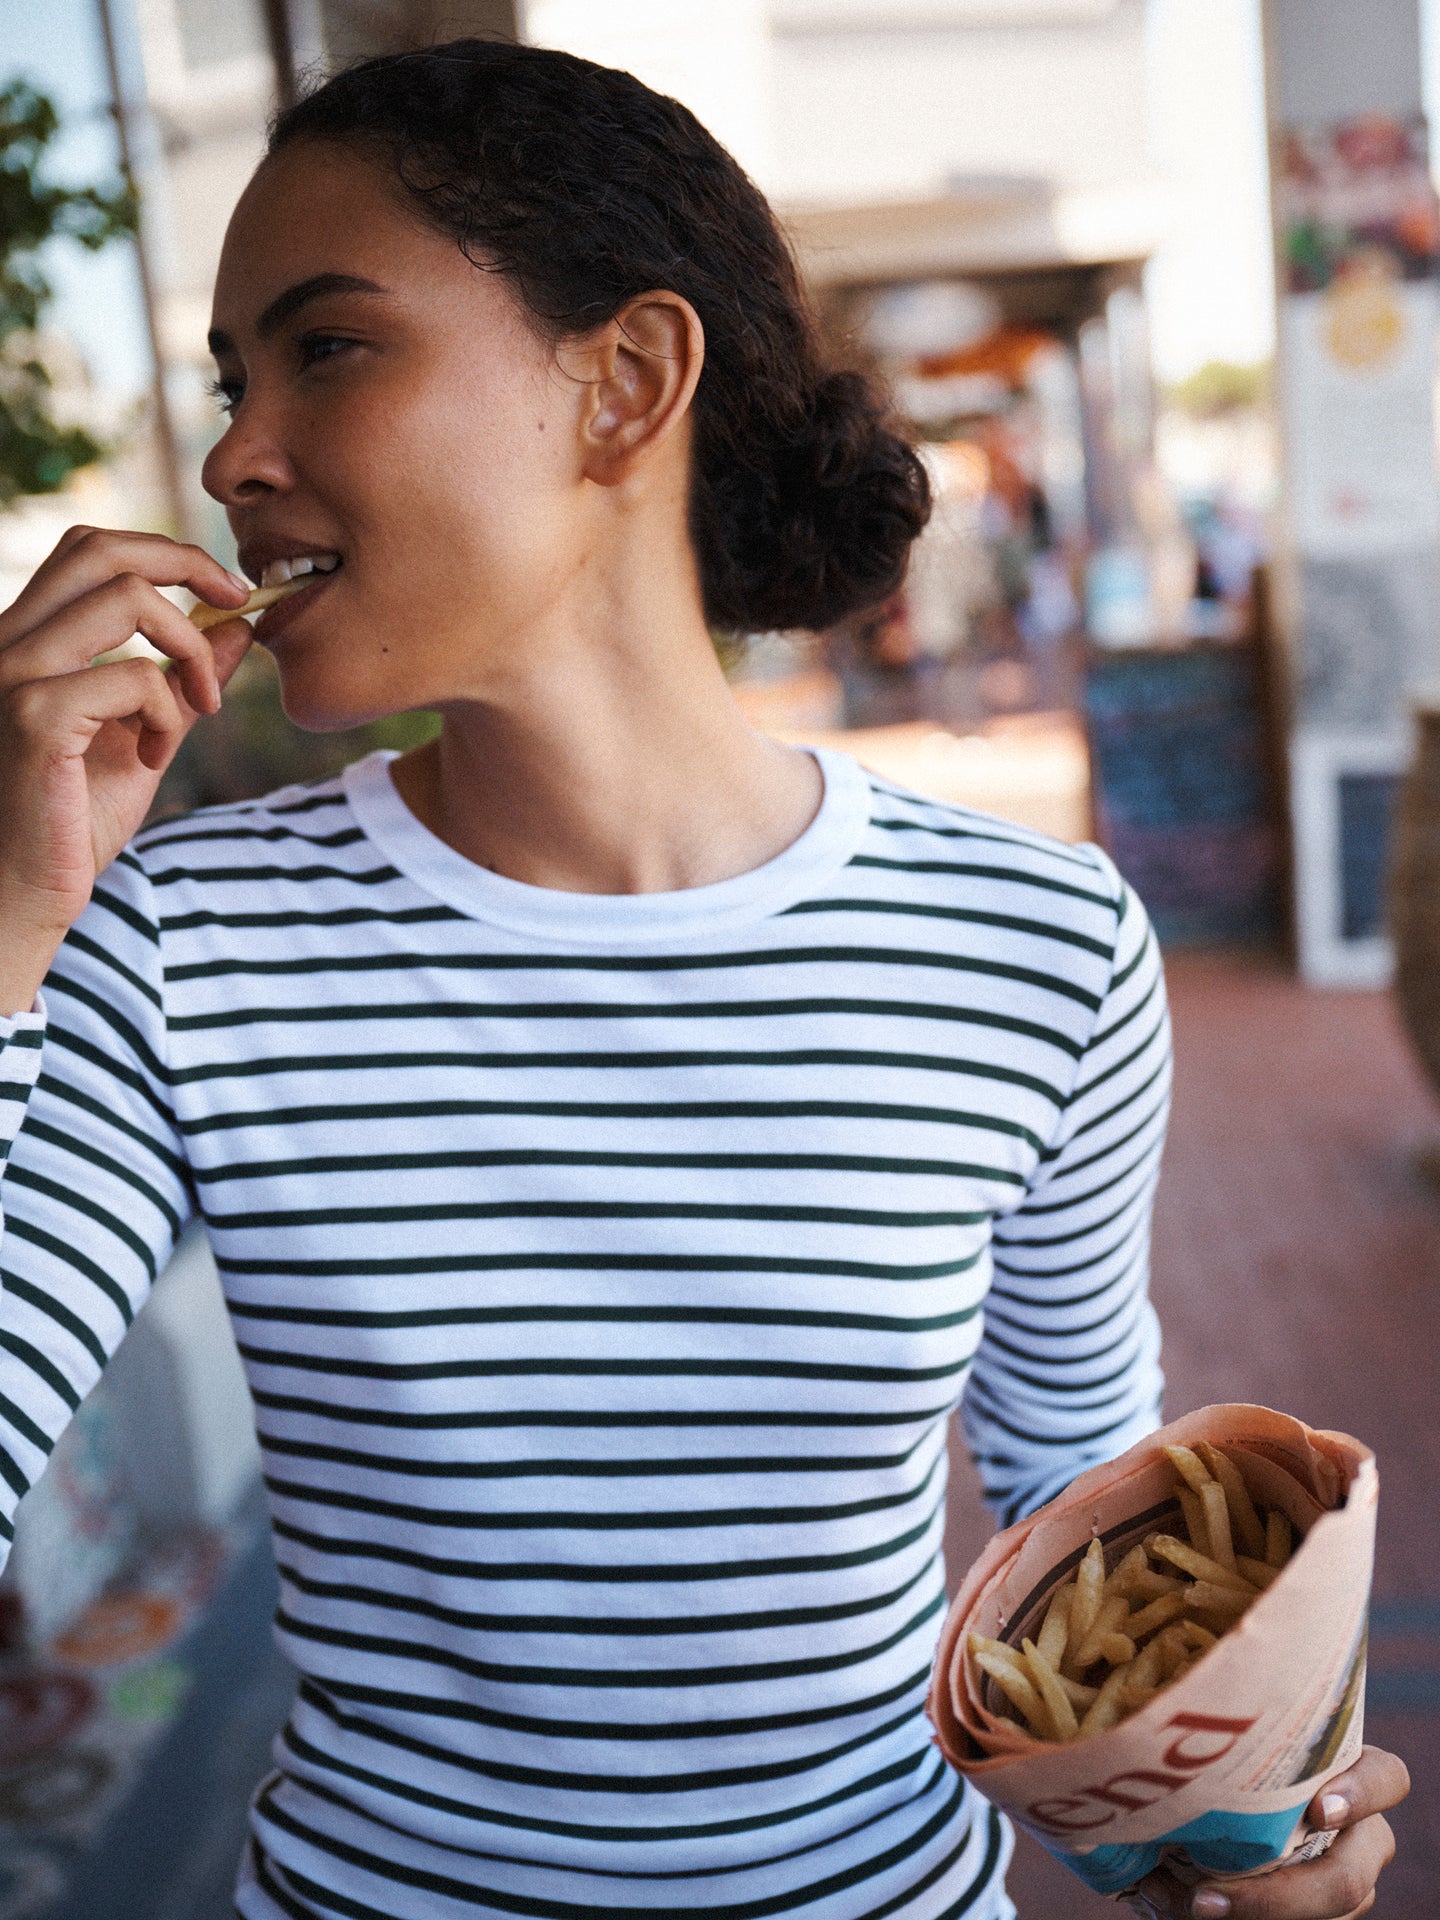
x,y
606,1270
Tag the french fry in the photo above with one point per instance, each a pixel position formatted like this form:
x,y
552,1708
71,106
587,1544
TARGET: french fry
x,y
1055,1632
1159,1613
1194,1512
1077,1693
1258,1572
1217,1525
1146,1670
204,616
1114,1609
1117,1648
1206,1597
1151,1585
1174,1653
1125,1572
1003,1668
1089,1589
1245,1524
1047,1683
1107,1706
1279,1542
1198,1565
1190,1467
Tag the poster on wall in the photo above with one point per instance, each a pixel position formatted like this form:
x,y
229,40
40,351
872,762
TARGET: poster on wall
x,y
1360,247
1358,229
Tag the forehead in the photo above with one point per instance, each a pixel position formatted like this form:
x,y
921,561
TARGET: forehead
x,y
319,207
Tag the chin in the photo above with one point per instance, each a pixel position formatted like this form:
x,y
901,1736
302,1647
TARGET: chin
x,y
316,704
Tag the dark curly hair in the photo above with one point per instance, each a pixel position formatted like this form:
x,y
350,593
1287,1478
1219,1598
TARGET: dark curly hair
x,y
585,188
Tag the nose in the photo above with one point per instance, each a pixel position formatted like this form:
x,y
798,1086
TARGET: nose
x,y
247,463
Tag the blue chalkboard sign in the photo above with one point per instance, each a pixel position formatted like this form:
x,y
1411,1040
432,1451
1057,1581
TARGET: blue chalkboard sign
x,y
1183,788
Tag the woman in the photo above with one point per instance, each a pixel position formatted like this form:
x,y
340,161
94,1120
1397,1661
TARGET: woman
x,y
608,1122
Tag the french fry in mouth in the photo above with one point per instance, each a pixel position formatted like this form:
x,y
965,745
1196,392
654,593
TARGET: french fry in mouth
x,y
203,616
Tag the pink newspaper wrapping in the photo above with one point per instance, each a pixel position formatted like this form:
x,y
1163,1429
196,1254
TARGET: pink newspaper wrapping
x,y
1213,1775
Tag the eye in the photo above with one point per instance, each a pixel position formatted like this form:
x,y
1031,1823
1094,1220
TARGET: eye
x,y
227,394
315,347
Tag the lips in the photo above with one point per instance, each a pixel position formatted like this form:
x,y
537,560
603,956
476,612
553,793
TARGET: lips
x,y
275,620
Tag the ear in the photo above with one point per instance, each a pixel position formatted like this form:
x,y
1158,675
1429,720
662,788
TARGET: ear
x,y
641,370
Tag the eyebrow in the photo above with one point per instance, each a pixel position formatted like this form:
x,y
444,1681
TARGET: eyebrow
x,y
287,304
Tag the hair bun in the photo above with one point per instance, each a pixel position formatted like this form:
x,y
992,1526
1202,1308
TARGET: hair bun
x,y
817,524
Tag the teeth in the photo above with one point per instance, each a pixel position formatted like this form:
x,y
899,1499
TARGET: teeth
x,y
279,572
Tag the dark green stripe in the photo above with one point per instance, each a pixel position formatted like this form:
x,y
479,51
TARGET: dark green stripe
x,y
41,1368
639,1679
572,1573
632,1367
564,1467
78,942
560,1157
965,916
34,1296
662,1314
67,1256
601,1418
608,1626
596,1520
676,1262
588,1210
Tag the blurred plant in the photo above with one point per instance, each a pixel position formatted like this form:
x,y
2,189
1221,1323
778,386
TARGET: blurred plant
x,y
38,452
1222,387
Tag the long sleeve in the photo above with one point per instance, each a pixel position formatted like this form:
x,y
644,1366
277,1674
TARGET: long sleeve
x,y
1067,1373
94,1189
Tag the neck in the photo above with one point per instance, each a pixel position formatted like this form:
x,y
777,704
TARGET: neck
x,y
615,762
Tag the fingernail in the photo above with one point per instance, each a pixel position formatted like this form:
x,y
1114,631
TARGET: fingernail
x,y
1210,1905
1334,1809
241,582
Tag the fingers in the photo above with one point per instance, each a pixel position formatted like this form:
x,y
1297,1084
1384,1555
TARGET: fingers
x,y
106,617
1340,1884
86,557
1377,1782
60,716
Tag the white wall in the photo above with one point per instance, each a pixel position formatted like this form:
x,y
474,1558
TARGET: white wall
x,y
902,112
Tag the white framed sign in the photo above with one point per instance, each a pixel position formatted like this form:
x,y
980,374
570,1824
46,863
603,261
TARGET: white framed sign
x,y
1342,793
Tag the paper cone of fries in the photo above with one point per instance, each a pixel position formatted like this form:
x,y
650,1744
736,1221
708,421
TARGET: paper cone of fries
x,y
1239,1686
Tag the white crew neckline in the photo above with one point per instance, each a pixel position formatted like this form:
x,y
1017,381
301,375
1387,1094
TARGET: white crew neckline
x,y
613,919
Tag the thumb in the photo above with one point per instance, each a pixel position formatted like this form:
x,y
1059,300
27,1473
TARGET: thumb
x,y
230,644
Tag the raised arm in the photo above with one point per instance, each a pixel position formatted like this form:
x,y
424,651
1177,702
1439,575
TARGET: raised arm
x,y
93,1188
1067,1373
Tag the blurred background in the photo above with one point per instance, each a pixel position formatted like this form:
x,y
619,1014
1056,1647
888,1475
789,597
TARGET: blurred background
x,y
1154,282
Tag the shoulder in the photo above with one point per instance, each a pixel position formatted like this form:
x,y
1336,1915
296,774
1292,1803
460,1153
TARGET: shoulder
x,y
969,861
289,825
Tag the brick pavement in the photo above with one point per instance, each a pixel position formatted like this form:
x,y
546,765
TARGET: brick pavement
x,y
1297,1264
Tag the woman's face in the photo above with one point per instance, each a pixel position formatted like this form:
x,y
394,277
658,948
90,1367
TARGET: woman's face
x,y
390,407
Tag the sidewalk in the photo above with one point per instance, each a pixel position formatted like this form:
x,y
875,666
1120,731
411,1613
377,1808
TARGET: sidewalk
x,y
1297,1264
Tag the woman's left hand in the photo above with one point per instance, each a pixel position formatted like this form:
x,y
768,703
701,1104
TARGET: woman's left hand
x,y
1340,1885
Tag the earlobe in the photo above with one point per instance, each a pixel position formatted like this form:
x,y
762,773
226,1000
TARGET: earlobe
x,y
644,365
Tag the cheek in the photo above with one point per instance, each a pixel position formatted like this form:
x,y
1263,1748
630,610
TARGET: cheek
x,y
472,491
